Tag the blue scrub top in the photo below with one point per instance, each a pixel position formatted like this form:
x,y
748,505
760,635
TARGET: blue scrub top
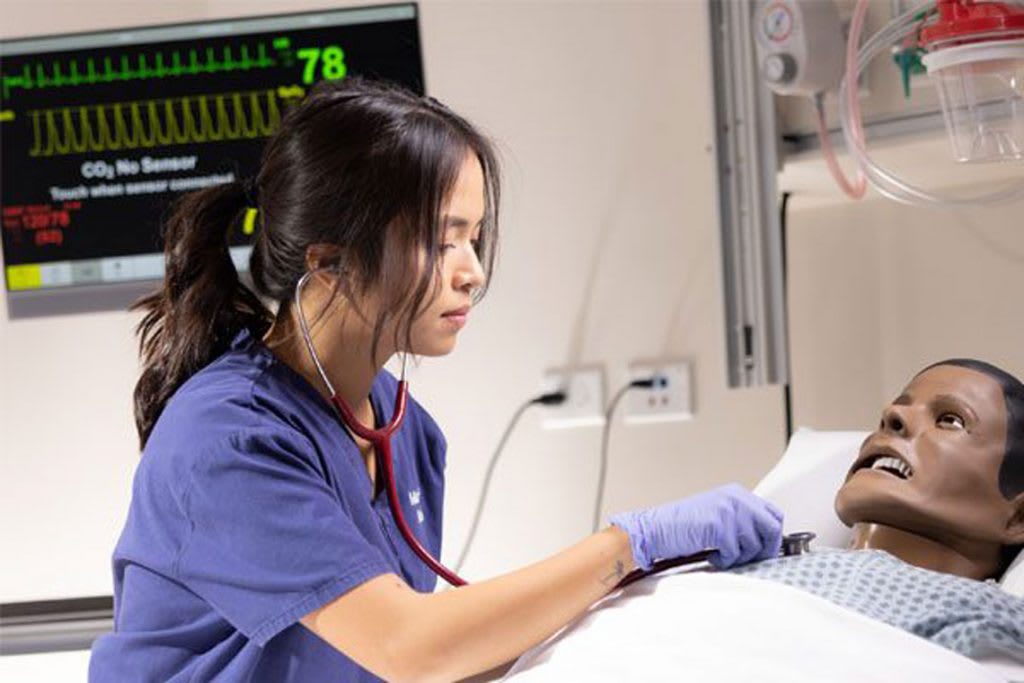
x,y
252,507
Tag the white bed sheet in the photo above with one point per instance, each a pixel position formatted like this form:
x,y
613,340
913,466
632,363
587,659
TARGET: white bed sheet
x,y
720,627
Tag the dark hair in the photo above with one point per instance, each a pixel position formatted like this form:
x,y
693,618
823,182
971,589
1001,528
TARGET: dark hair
x,y
1011,472
358,165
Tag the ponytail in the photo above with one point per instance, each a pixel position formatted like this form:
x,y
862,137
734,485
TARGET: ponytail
x,y
202,304
363,166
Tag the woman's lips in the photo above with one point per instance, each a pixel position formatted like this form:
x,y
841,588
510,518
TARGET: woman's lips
x,y
457,318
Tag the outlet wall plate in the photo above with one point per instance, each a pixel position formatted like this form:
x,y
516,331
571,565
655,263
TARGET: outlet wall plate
x,y
584,405
668,402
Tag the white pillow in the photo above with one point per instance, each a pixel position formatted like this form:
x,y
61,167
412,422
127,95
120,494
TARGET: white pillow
x,y
804,483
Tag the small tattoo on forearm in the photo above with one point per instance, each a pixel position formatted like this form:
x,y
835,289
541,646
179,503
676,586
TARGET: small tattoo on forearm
x,y
616,575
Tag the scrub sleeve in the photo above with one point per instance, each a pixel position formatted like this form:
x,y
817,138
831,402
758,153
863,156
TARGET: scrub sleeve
x,y
251,507
258,509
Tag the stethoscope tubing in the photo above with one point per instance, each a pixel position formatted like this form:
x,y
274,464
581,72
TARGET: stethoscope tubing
x,y
793,544
797,543
381,440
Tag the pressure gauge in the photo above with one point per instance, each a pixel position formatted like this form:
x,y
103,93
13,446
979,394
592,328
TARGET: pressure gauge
x,y
800,45
777,22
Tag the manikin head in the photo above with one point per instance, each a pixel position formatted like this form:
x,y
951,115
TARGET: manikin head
x,y
944,470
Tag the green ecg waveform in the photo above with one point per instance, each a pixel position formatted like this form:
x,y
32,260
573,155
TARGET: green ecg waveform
x,y
191,62
153,123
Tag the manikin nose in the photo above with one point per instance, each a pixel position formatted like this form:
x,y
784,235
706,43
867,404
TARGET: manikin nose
x,y
893,422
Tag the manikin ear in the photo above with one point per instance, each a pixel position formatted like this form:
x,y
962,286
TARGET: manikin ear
x,y
1013,534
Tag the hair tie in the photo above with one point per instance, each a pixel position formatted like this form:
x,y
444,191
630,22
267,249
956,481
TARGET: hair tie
x,y
249,221
250,189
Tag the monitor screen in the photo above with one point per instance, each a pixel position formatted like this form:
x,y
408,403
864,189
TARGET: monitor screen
x,y
100,131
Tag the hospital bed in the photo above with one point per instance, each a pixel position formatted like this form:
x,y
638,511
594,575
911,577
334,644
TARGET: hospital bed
x,y
719,627
701,625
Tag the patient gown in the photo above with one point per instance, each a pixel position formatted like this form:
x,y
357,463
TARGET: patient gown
x,y
974,618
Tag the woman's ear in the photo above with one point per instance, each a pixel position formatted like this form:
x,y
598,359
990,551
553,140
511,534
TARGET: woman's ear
x,y
1013,534
320,256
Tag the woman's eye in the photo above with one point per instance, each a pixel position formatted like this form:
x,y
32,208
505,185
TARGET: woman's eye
x,y
951,420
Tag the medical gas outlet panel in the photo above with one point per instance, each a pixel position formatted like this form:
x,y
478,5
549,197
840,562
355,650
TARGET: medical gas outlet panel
x,y
799,45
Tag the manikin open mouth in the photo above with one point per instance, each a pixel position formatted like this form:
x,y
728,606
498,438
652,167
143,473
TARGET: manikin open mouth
x,y
893,465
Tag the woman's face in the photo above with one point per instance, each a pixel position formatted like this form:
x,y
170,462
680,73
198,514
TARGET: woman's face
x,y
932,466
459,273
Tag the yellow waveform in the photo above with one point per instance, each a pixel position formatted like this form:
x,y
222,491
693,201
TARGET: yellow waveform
x,y
156,123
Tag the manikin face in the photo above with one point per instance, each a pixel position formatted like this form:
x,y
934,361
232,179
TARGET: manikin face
x,y
932,466
434,331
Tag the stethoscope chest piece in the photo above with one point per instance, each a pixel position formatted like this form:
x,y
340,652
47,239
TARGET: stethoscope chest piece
x,y
797,543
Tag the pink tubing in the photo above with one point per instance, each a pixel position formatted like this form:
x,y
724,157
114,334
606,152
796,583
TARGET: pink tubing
x,y
858,187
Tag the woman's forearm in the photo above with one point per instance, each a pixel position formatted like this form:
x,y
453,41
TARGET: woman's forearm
x,y
474,628
401,635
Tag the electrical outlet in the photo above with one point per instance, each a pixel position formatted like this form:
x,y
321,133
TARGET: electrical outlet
x,y
669,400
584,402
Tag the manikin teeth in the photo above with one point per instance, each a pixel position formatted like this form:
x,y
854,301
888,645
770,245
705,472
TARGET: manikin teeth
x,y
892,464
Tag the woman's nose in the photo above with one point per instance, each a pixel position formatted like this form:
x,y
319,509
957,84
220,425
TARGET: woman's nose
x,y
894,422
470,274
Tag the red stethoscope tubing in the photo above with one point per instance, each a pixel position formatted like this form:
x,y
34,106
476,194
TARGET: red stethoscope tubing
x,y
381,440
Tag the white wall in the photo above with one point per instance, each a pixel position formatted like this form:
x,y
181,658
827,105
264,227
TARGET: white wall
x,y
610,254
879,289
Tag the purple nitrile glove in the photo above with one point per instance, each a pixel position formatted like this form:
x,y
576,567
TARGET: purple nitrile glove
x,y
736,524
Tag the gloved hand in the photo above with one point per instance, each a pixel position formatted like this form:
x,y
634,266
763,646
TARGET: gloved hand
x,y
734,522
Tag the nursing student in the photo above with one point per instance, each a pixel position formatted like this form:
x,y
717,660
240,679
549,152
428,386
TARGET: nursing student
x,y
258,544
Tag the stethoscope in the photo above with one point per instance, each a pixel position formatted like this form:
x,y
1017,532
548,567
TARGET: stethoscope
x,y
380,438
792,544
797,543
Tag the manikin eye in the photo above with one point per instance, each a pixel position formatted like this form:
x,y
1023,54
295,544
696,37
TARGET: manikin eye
x,y
951,421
